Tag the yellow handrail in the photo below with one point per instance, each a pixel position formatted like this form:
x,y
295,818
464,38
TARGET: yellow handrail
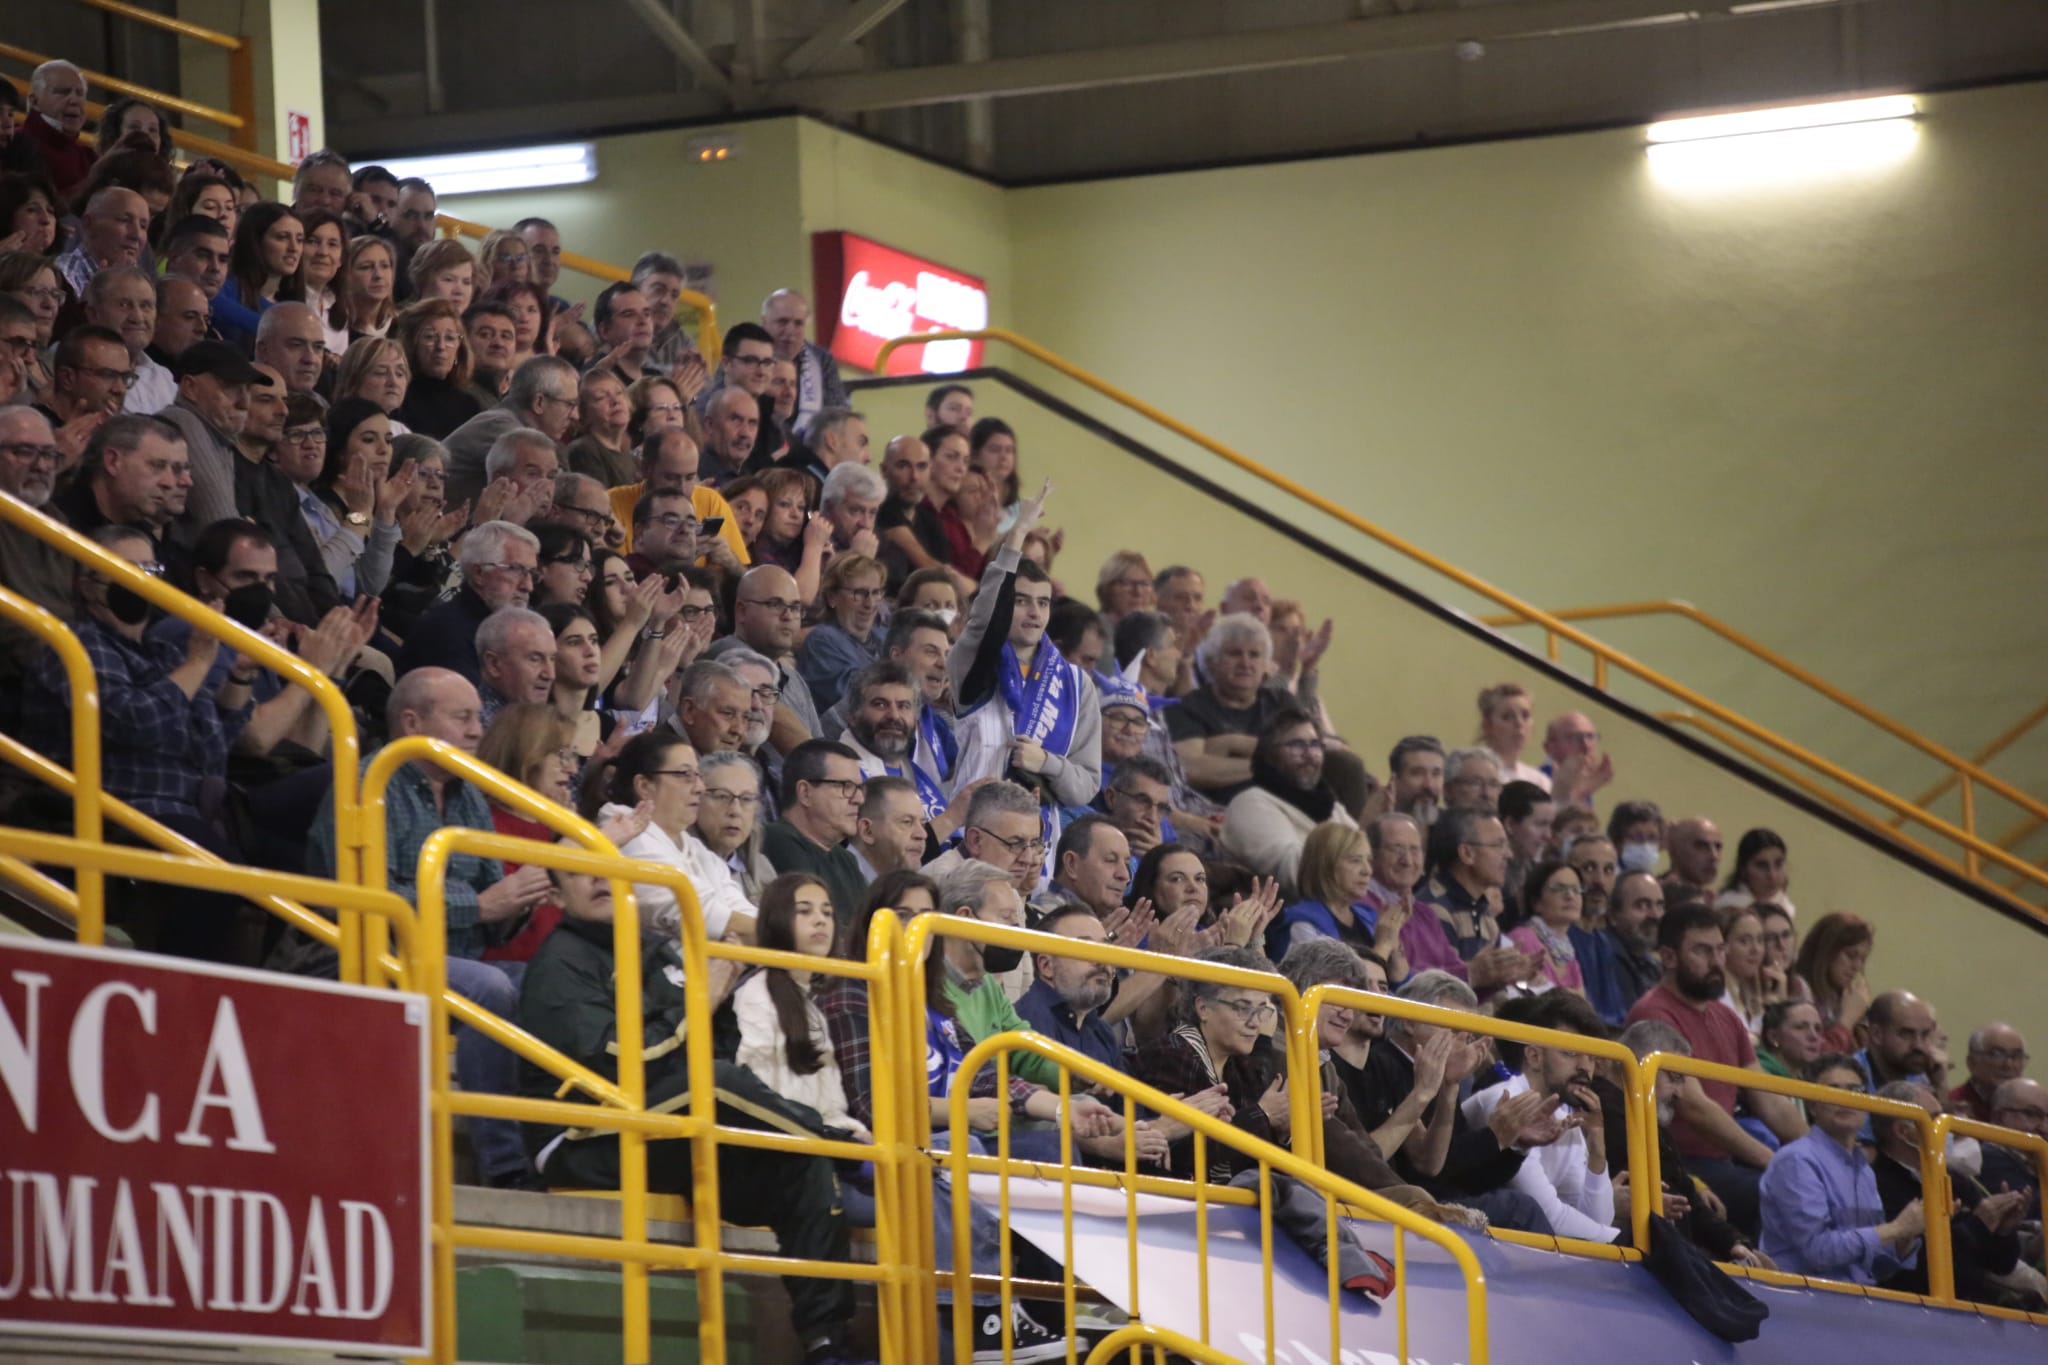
x,y
226,118
1941,1271
1208,1129
1960,768
1605,653
1984,755
183,28
89,903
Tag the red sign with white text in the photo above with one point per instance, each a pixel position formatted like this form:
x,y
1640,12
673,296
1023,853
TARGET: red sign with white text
x,y
207,1155
298,136
869,293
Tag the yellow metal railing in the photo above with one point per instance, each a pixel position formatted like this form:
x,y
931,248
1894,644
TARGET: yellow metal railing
x,y
1937,1197
241,125
1208,1129
1969,774
1604,654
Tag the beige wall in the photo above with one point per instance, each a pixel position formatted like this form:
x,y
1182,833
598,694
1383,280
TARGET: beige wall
x,y
1395,670
1810,410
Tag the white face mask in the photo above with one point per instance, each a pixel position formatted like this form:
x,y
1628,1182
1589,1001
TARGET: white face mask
x,y
946,614
1965,1154
1639,857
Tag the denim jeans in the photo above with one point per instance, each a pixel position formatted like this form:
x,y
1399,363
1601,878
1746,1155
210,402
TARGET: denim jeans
x,y
483,1067
985,1233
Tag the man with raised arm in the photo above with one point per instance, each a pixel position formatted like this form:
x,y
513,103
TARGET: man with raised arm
x,y
1025,712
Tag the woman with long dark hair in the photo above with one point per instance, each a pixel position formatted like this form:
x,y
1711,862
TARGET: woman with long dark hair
x,y
263,264
783,1038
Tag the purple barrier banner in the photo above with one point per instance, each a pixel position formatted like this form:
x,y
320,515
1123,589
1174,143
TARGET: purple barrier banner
x,y
1542,1306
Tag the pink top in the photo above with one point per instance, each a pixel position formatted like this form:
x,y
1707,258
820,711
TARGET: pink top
x,y
1565,974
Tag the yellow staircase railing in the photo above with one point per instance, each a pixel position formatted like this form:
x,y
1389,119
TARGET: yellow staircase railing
x,y
1977,853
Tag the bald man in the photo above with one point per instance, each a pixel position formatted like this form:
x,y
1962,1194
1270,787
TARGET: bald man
x,y
291,341
2021,1104
1573,760
1997,1054
767,613
785,314
912,534
1695,846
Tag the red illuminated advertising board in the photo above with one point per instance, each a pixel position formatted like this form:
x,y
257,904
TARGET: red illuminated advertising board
x,y
868,293
206,1155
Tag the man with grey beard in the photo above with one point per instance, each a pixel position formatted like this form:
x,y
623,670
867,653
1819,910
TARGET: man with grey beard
x,y
764,691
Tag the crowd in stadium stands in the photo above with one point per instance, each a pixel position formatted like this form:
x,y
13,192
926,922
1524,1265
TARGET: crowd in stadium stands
x,y
690,602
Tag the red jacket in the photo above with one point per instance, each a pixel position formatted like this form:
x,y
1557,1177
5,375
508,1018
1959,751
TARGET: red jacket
x,y
67,160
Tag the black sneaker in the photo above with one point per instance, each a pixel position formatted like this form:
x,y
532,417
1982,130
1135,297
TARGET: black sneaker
x,y
1030,1341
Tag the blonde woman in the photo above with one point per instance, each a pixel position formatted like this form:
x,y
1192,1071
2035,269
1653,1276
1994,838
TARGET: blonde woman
x,y
502,259
376,368
1506,717
368,286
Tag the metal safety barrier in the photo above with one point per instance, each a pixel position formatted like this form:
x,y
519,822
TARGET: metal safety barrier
x,y
1604,654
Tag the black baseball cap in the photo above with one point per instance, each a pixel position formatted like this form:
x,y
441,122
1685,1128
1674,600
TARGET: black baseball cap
x,y
220,360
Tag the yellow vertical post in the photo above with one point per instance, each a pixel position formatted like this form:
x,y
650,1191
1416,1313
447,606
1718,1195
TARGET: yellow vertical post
x,y
242,93
1968,791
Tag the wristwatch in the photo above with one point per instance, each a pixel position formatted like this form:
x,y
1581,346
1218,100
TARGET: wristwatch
x,y
358,519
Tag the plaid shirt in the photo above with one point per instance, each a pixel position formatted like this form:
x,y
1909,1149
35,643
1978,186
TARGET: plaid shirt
x,y
156,744
843,1000
410,815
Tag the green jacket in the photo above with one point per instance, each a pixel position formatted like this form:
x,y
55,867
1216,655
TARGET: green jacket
x,y
984,1011
566,1000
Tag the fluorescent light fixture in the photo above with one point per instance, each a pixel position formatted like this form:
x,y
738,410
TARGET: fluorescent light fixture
x,y
517,168
1797,156
1752,121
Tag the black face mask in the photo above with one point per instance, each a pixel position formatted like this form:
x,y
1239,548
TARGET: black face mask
x,y
249,605
999,959
128,606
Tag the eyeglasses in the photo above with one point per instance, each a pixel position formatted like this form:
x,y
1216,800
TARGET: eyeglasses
x,y
569,403
1034,846
525,572
2017,1056
581,566
759,362
687,774
32,454
47,293
1491,843
20,345
1123,718
1561,889
774,604
698,614
1143,804
768,696
591,517
307,436
105,375
848,787
719,796
1251,1011
862,594
666,409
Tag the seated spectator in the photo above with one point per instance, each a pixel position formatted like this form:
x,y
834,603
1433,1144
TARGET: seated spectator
x,y
1591,855
1752,987
1790,1040
1396,845
821,789
837,436
1248,597
1984,1229
733,431
769,726
1760,872
1570,825
31,281
1686,1201
1464,896
1137,799
134,474
624,325
1553,897
1695,847
1900,1033
2021,1105
494,337
950,405
375,368
1822,1213
1077,633
1335,877
415,218
942,491
319,277
1781,942
889,836
661,773
289,339
515,659
356,522
1506,716
30,567
1025,712
444,269
1997,1054
211,409
783,1036
90,374
566,567
1003,827
1472,777
884,728
568,1003
542,397
56,98
1832,961
168,716
263,263
847,641
265,494
767,613
849,501
1719,1149
529,743
913,537
579,504
1266,824
1298,651
113,230
1525,814
603,450
784,314
1215,727
1568,1177
438,398
1123,586
323,181
29,210
669,461
499,562
728,819
1626,965
122,299
1415,771
1443,1150
933,591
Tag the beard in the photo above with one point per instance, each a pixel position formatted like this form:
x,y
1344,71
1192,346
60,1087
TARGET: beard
x,y
1365,1028
889,743
1090,995
1712,986
1424,808
756,733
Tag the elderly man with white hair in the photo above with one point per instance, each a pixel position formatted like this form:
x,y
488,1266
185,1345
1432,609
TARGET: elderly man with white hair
x,y
785,313
56,99
114,230
852,497
515,648
499,563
